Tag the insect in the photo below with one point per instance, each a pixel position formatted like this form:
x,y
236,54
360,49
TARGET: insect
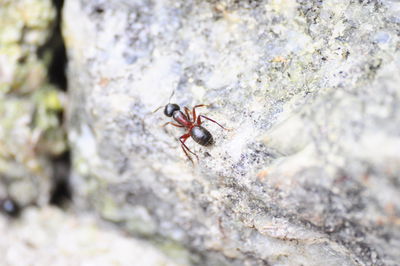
x,y
192,125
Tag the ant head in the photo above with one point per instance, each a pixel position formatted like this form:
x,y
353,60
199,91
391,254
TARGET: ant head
x,y
170,109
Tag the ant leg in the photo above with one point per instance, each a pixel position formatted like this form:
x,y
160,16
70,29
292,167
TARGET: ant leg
x,y
187,155
199,121
187,112
182,139
194,110
170,123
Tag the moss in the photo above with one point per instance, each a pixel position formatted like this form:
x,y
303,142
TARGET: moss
x,y
48,108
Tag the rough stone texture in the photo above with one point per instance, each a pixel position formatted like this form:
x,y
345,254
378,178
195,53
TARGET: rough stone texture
x,y
309,175
30,127
50,237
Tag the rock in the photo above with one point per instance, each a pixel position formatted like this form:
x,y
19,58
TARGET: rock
x,y
30,124
308,175
49,236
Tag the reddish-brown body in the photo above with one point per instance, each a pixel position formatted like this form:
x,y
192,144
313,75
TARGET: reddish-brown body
x,y
192,125
179,117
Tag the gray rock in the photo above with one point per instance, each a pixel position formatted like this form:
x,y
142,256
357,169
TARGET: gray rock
x,y
309,173
49,236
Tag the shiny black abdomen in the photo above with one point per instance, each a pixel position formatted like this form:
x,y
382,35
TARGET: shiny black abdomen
x,y
201,136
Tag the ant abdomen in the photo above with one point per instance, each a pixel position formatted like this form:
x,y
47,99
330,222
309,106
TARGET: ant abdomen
x,y
201,135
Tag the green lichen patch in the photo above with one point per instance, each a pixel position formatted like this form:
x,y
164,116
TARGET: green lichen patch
x,y
31,130
24,28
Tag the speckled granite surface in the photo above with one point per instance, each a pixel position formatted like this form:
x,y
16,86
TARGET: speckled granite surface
x,y
309,175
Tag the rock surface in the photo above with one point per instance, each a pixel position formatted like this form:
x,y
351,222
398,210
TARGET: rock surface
x,y
309,173
49,236
30,124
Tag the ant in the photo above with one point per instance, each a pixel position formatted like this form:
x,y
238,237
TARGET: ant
x,y
192,125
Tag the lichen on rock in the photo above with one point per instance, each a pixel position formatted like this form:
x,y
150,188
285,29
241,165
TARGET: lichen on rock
x,y
30,107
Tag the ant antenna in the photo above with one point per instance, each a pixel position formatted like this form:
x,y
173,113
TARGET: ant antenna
x,y
158,109
170,97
